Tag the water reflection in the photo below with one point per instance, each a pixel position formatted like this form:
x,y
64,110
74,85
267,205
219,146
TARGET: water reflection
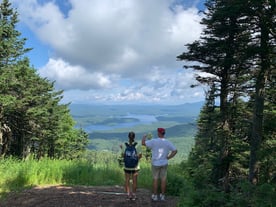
x,y
137,120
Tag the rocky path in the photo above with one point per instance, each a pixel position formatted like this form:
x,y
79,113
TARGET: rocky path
x,y
82,196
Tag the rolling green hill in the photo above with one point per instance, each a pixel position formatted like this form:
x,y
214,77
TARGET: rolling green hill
x,y
108,125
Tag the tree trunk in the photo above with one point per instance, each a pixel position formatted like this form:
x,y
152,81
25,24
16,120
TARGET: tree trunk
x,y
257,123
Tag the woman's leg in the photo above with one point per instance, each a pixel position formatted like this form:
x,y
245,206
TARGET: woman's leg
x,y
134,181
127,176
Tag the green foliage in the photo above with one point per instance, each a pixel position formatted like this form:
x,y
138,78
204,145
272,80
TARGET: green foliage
x,y
175,180
11,45
202,193
234,145
17,175
31,118
94,168
146,151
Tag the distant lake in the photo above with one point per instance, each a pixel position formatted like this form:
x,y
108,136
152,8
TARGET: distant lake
x,y
105,118
126,121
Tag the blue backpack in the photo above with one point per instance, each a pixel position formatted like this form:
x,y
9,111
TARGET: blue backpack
x,y
130,156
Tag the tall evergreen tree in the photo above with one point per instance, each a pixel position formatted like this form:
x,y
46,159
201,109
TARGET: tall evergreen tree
x,y
12,45
238,48
219,52
11,49
31,115
262,15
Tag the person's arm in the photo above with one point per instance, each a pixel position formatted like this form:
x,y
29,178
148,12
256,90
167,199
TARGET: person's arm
x,y
144,140
122,150
172,154
139,151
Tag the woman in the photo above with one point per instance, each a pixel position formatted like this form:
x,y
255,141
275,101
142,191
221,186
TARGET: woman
x,y
132,155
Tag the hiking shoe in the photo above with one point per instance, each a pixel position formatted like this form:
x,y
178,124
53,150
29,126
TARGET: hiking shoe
x,y
128,197
134,197
154,197
162,197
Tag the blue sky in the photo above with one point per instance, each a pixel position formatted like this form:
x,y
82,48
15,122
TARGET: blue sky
x,y
113,51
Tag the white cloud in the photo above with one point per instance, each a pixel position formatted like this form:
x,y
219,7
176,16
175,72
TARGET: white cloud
x,y
173,89
67,76
99,46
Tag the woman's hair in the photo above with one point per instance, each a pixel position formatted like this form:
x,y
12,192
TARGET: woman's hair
x,y
131,135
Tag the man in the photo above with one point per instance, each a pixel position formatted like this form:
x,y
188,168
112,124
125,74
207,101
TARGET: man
x,y
162,151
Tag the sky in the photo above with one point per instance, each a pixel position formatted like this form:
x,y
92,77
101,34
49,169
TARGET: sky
x,y
113,51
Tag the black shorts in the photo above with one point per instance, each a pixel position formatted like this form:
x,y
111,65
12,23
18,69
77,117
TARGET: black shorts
x,y
131,171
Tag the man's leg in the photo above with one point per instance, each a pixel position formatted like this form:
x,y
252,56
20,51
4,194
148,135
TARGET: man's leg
x,y
163,185
155,175
155,186
163,176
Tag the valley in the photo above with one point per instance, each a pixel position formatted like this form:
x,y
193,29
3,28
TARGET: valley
x,y
108,125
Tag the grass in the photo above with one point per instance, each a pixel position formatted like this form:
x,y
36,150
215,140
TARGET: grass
x,y
96,168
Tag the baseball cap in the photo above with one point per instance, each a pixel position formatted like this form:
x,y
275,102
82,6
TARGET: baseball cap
x,y
161,130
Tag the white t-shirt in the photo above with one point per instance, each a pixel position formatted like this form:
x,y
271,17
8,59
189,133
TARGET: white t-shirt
x,y
160,150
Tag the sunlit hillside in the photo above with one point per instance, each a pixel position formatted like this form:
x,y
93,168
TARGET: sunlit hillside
x,y
108,125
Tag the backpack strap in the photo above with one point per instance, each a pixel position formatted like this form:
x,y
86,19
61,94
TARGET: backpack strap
x,y
134,144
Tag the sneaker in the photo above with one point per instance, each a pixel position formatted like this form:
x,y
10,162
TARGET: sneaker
x,y
128,197
134,197
154,197
162,197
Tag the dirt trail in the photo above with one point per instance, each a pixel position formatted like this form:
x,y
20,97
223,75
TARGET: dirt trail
x,y
82,196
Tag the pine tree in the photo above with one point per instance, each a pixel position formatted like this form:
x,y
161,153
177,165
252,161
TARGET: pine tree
x,y
12,46
31,116
11,49
262,16
220,53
